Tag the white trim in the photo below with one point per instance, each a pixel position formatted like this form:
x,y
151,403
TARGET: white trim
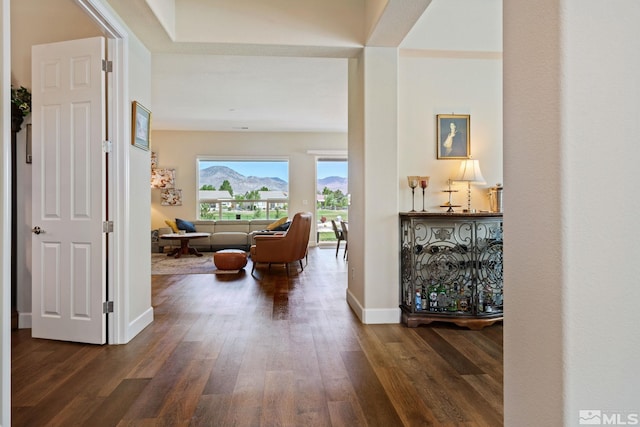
x,y
376,316
139,323
372,316
104,17
120,192
5,215
355,305
329,153
119,128
24,320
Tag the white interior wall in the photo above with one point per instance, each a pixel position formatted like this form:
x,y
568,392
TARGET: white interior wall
x,y
379,249
458,25
277,22
138,222
179,150
601,105
571,339
373,11
355,279
46,24
448,83
534,221
165,10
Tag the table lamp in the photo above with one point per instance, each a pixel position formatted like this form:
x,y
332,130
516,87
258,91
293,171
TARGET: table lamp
x,y
469,172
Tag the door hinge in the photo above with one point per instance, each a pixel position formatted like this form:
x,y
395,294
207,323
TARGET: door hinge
x,y
107,226
107,307
106,146
107,66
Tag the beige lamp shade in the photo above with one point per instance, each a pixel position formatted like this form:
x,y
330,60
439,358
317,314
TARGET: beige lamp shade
x,y
470,172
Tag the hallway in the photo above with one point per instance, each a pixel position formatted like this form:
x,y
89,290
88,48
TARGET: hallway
x,y
230,350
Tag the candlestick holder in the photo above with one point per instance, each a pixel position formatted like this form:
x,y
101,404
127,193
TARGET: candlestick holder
x,y
413,182
424,183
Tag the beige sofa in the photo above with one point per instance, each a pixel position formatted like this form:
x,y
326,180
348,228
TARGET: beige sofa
x,y
225,234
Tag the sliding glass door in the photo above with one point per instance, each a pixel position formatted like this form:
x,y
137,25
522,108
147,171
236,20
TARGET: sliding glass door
x,y
332,197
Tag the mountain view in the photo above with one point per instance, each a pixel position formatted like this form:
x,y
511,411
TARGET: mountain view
x,y
333,183
215,175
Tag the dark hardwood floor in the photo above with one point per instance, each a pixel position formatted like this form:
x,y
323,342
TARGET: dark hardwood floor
x,y
285,351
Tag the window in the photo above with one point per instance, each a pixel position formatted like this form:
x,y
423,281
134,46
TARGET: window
x,y
242,189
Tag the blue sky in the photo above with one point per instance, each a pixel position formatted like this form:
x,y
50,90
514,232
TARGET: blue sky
x,y
332,168
277,168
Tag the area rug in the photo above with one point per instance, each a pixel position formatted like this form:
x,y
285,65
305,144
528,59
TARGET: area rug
x,y
186,264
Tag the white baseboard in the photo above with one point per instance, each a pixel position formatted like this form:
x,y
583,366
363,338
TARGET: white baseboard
x,y
24,320
355,305
138,324
371,316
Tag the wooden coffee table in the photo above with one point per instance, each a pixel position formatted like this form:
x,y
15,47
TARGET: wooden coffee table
x,y
184,248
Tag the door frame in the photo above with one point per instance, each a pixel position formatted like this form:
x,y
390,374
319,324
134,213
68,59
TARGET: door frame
x,y
118,130
5,220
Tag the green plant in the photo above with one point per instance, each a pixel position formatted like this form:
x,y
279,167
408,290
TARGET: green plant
x,y
21,97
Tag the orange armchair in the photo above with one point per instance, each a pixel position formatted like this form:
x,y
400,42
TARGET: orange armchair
x,y
284,248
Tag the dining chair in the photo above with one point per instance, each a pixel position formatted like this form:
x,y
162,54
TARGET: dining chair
x,y
338,234
345,236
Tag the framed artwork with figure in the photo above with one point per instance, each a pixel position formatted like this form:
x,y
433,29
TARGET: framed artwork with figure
x,y
453,136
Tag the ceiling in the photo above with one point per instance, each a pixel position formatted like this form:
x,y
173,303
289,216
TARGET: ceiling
x,y
252,65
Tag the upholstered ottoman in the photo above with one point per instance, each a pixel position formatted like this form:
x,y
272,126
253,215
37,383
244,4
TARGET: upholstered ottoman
x,y
230,259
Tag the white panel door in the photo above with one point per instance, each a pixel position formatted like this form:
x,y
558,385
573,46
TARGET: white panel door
x,y
69,194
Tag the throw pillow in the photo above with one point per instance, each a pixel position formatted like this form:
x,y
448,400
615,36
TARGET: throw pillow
x,y
273,225
173,225
283,227
185,225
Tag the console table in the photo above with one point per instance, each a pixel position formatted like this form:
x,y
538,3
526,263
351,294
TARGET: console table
x,y
451,268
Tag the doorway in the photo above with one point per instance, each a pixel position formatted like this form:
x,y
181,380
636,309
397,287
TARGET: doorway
x,y
332,197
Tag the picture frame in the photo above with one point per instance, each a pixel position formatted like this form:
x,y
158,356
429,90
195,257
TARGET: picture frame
x,y
163,178
171,197
140,126
456,144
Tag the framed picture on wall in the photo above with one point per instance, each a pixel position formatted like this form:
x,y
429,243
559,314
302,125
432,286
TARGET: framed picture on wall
x,y
140,126
453,136
171,197
163,178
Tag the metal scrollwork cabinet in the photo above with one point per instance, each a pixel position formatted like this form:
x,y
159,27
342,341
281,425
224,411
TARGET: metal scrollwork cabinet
x,y
451,268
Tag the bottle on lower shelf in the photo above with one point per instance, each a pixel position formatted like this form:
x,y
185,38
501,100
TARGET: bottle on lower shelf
x,y
418,301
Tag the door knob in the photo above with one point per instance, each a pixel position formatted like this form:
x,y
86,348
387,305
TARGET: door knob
x,y
37,230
